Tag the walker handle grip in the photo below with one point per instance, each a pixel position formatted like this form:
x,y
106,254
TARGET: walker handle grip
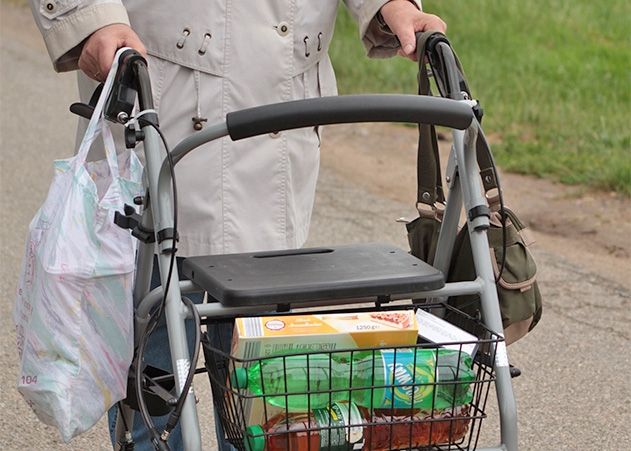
x,y
347,109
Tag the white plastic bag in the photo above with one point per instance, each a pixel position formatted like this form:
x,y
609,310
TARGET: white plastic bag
x,y
74,308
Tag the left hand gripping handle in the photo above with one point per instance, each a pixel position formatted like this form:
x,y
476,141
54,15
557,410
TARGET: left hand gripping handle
x,y
120,103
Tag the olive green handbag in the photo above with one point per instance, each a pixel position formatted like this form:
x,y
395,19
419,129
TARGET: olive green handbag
x,y
517,289
515,269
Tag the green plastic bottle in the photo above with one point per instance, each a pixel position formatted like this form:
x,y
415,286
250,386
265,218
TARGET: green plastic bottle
x,y
404,378
291,374
413,379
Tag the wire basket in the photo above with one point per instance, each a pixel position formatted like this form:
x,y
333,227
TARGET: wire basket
x,y
422,396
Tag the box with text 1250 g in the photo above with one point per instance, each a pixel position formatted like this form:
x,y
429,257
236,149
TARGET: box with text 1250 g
x,y
295,334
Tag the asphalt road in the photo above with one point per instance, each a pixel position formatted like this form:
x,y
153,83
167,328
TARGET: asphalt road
x,y
574,392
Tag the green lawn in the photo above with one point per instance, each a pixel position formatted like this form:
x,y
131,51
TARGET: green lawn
x,y
554,78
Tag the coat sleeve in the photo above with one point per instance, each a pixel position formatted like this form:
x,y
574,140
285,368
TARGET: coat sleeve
x,y
379,43
65,24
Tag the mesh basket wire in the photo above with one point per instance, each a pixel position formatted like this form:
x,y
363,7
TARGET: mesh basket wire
x,y
331,418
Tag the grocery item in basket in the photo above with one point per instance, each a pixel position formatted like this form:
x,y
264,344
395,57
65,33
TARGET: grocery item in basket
x,y
437,330
294,334
345,426
322,429
413,378
400,378
405,429
258,337
316,374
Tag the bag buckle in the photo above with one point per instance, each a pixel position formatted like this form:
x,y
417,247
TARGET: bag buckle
x,y
435,211
493,199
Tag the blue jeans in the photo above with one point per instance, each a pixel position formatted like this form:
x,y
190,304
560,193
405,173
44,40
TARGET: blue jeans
x,y
157,354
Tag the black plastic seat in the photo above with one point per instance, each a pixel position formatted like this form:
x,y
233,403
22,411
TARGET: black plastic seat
x,y
313,274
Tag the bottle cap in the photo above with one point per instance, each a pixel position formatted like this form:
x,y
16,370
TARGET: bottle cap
x,y
254,438
239,378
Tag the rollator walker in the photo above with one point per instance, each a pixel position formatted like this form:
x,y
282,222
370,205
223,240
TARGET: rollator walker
x,y
347,278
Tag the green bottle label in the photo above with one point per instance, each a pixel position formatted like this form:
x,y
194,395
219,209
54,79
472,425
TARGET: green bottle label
x,y
342,427
401,371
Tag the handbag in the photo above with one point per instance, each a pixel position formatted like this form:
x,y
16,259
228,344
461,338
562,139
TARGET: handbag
x,y
517,290
515,270
74,310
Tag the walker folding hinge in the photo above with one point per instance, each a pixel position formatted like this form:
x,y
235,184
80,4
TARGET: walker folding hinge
x,y
133,221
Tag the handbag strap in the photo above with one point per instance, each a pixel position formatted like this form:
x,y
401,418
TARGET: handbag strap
x,y
429,181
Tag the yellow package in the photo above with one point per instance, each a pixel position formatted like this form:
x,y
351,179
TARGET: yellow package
x,y
295,334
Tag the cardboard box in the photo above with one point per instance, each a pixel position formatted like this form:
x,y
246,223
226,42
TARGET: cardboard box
x,y
296,334
437,330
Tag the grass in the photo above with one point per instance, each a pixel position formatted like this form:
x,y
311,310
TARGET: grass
x,y
554,78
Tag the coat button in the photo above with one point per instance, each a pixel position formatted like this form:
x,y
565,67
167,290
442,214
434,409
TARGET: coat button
x,y
282,29
50,6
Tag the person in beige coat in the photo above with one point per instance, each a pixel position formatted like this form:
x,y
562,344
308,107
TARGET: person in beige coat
x,y
207,58
210,57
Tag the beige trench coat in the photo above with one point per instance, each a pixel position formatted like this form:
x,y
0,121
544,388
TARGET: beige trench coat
x,y
210,57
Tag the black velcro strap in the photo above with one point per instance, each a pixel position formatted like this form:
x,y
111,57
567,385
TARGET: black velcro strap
x,y
167,234
480,210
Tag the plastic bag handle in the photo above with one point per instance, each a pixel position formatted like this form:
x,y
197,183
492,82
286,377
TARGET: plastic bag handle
x,y
98,126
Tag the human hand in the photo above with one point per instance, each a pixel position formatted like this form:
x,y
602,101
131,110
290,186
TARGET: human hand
x,y
99,49
405,19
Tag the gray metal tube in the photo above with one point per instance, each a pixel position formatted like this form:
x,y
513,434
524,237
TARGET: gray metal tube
x,y
452,70
162,212
465,149
472,191
449,227
187,145
211,133
217,310
153,298
176,313
144,266
142,282
144,259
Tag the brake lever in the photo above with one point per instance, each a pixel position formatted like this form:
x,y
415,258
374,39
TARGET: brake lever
x,y
437,60
83,110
